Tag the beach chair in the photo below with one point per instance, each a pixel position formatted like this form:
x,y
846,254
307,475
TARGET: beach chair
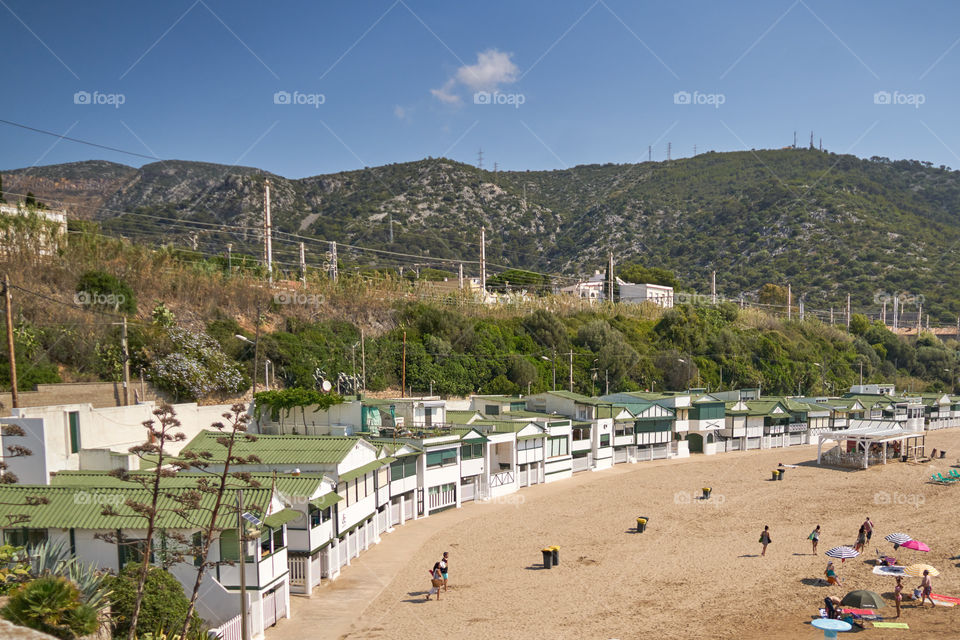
x,y
940,478
954,474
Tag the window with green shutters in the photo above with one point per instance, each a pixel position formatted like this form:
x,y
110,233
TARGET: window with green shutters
x,y
441,458
471,451
74,418
403,468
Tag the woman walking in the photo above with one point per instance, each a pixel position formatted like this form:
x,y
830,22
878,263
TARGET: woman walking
x,y
898,594
445,568
765,539
436,581
814,537
861,539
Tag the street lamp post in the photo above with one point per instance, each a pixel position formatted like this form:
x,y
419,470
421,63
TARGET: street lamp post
x,y
256,355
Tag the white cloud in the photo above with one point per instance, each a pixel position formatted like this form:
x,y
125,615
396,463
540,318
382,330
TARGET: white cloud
x,y
400,112
492,69
445,93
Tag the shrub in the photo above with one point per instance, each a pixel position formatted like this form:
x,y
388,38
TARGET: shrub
x,y
164,603
52,605
193,366
100,289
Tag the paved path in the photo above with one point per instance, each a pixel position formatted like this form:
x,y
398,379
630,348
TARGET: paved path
x,y
336,605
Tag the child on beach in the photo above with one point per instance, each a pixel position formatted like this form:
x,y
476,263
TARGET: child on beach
x,y
765,539
898,594
814,537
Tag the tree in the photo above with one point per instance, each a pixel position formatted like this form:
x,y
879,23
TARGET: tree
x,y
8,477
163,604
859,324
161,431
217,487
773,295
102,290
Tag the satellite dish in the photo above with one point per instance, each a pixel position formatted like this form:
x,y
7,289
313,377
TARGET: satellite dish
x,y
326,386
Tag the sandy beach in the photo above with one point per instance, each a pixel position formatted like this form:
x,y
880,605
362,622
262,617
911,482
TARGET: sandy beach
x,y
695,573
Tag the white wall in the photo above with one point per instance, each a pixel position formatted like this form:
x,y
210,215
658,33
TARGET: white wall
x,y
31,469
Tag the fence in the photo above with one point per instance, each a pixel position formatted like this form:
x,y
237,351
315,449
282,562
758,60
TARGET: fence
x,y
229,630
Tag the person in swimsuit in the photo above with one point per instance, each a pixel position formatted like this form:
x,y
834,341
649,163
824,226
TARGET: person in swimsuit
x,y
926,589
445,568
832,575
861,539
436,581
765,539
868,527
814,537
898,594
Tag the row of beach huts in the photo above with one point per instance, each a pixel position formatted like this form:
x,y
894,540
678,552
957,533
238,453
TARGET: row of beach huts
x,y
332,482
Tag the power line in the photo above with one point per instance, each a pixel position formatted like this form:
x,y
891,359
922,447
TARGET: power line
x,y
78,140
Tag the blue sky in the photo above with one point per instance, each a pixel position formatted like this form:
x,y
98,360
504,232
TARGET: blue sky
x,y
317,87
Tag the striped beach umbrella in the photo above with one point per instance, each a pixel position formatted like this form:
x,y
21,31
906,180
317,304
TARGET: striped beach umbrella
x,y
916,570
843,552
898,538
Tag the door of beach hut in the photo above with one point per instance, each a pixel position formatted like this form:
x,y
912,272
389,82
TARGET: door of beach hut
x,y
696,442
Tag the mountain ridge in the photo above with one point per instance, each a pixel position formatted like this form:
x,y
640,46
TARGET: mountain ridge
x,y
829,224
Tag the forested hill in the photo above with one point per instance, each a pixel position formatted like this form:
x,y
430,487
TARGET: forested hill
x,y
828,224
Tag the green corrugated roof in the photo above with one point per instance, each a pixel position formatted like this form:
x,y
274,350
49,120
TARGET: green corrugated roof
x,y
576,397
287,484
278,449
532,436
81,507
461,417
524,413
326,501
367,468
281,518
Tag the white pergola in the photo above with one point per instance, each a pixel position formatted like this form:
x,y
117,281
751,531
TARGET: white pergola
x,y
870,432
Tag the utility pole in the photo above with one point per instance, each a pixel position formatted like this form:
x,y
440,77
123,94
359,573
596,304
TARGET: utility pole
x,y
461,275
649,153
883,314
363,361
483,261
126,361
391,227
242,543
919,319
831,316
606,381
303,264
333,261
789,301
713,287
14,397
403,371
571,371
267,231
669,145
800,304
229,257
848,311
256,350
896,322
554,358
610,271
480,158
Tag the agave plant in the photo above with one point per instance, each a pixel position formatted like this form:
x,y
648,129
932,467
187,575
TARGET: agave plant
x,y
53,605
54,559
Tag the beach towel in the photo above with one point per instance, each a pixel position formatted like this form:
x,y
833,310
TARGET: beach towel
x,y
891,625
939,596
859,612
882,570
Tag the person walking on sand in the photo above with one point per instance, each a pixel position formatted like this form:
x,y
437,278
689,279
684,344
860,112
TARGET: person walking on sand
x,y
445,568
861,539
898,594
765,539
868,526
926,589
814,537
436,581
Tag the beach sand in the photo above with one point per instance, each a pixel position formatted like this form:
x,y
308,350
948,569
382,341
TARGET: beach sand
x,y
696,572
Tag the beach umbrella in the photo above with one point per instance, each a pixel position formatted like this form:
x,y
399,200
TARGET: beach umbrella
x,y
863,599
916,570
898,538
842,553
916,545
